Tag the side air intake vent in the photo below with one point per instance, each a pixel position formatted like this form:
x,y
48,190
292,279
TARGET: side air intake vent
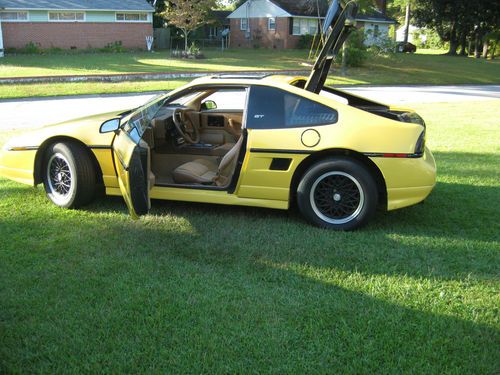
x,y
280,164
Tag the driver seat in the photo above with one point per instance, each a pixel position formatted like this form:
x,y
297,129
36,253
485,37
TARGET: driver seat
x,y
201,171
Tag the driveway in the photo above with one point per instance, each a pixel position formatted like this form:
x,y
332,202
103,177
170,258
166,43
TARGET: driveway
x,y
32,113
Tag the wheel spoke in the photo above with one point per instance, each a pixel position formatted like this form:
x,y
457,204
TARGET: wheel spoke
x,y
337,196
59,175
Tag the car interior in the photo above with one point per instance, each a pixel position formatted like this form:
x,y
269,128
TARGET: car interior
x,y
195,140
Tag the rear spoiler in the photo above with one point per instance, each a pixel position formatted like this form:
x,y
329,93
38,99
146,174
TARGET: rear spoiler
x,y
341,20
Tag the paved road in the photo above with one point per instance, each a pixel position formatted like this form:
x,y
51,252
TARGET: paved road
x,y
32,113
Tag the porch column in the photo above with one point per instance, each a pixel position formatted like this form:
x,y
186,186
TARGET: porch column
x,y
1,40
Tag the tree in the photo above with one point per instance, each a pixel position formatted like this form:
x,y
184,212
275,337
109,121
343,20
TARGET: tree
x,y
158,21
187,15
456,20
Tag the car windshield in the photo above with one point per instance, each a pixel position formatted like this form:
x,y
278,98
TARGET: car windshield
x,y
142,117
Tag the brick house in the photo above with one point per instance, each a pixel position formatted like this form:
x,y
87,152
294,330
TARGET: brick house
x,y
75,23
281,23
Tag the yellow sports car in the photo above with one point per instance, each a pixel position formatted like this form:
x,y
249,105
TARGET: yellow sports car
x,y
266,141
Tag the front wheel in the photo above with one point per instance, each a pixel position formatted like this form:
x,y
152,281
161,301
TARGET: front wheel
x,y
337,193
70,177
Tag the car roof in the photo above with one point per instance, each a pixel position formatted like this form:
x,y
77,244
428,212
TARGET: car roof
x,y
245,79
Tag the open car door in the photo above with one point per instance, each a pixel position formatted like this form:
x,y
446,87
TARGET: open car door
x,y
132,162
339,23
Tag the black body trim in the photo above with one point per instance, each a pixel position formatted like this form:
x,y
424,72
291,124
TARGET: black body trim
x,y
368,154
393,155
99,147
24,148
272,151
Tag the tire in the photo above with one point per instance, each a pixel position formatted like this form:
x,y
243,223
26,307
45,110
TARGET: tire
x,y
338,193
69,175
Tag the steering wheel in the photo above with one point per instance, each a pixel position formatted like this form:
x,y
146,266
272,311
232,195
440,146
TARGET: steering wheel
x,y
185,126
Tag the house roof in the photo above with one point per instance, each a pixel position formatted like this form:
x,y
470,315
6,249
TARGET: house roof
x,y
300,8
121,5
305,8
220,16
374,15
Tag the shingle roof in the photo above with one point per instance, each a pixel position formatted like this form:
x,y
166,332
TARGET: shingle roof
x,y
134,5
220,16
374,15
309,8
305,8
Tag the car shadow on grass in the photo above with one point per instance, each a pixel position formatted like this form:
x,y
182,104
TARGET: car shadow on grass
x,y
417,241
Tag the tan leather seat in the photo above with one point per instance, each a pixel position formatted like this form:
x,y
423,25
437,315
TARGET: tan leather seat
x,y
198,171
201,171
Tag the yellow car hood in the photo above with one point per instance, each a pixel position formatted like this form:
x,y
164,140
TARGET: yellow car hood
x,y
85,129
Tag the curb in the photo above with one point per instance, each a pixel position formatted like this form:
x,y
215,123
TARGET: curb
x,y
139,76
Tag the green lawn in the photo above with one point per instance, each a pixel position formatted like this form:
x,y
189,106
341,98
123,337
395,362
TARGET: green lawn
x,y
197,288
393,69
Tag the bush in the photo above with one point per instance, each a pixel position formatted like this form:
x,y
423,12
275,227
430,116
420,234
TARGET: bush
x,y
32,48
193,52
383,46
114,47
355,49
54,51
426,38
309,42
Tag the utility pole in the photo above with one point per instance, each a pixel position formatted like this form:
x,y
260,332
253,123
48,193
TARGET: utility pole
x,y
407,23
1,36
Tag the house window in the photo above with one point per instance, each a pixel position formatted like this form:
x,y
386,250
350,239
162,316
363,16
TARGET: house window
x,y
376,31
132,17
66,16
14,16
244,24
271,24
303,26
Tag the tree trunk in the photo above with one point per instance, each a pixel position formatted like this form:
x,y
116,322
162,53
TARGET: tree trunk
x,y
407,23
453,40
343,71
463,44
186,33
477,42
486,46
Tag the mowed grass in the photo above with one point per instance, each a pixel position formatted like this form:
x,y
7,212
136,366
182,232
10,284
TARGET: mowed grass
x,y
195,288
391,69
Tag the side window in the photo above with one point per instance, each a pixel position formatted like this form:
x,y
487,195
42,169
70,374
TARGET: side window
x,y
271,108
226,99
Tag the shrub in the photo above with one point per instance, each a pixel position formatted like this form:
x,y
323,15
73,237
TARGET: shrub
x,y
32,48
355,50
54,51
305,41
114,47
193,52
383,46
425,38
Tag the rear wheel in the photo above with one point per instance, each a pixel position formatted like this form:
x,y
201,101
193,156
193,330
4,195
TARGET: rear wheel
x,y
338,194
69,175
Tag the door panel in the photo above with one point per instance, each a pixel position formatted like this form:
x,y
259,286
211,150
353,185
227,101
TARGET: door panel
x,y
218,123
132,162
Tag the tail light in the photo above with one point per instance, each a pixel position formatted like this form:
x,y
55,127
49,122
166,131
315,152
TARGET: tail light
x,y
420,146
